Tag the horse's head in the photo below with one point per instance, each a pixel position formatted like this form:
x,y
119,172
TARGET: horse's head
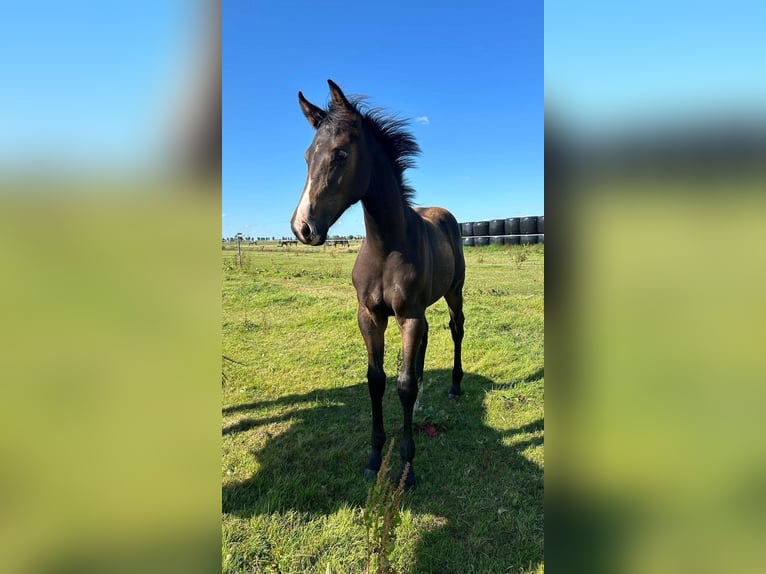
x,y
338,173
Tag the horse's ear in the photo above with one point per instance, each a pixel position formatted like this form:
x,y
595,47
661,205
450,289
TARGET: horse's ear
x,y
338,99
313,114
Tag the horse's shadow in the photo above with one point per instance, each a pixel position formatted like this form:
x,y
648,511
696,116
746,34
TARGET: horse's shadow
x,y
315,466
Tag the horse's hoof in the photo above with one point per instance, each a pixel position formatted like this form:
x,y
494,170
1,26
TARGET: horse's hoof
x,y
455,392
409,482
370,474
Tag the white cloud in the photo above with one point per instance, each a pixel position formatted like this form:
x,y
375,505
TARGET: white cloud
x,y
422,120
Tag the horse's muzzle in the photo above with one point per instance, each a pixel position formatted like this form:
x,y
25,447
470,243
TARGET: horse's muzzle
x,y
307,233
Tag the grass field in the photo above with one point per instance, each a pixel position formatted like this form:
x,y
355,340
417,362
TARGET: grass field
x,y
296,419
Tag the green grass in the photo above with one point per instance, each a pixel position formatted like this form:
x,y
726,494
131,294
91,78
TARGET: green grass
x,y
296,419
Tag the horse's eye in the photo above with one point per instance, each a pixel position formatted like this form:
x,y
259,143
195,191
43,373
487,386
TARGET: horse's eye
x,y
339,154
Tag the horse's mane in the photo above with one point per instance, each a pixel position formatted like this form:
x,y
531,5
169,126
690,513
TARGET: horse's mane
x,y
397,143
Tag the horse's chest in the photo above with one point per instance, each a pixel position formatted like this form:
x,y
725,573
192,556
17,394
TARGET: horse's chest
x,y
375,301
370,292
386,292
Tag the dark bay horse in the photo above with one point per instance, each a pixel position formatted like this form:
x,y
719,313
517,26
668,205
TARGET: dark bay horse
x,y
411,256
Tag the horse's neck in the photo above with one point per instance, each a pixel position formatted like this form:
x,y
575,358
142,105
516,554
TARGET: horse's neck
x,y
385,211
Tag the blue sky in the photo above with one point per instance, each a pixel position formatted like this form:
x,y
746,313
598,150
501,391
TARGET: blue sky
x,y
94,84
469,75
89,83
613,66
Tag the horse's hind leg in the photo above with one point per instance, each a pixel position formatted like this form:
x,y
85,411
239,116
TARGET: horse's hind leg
x,y
457,320
373,331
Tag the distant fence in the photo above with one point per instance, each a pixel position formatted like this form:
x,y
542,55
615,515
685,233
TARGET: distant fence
x,y
511,231
285,243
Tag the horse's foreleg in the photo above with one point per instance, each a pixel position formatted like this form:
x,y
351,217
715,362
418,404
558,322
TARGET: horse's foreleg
x,y
456,324
373,331
422,352
412,329
419,367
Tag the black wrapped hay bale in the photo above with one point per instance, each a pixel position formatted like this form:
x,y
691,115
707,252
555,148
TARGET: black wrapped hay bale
x,y
512,226
468,241
541,224
541,238
528,239
496,240
497,227
481,229
512,240
481,240
466,229
528,225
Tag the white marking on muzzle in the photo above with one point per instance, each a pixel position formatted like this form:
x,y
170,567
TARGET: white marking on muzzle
x,y
304,205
